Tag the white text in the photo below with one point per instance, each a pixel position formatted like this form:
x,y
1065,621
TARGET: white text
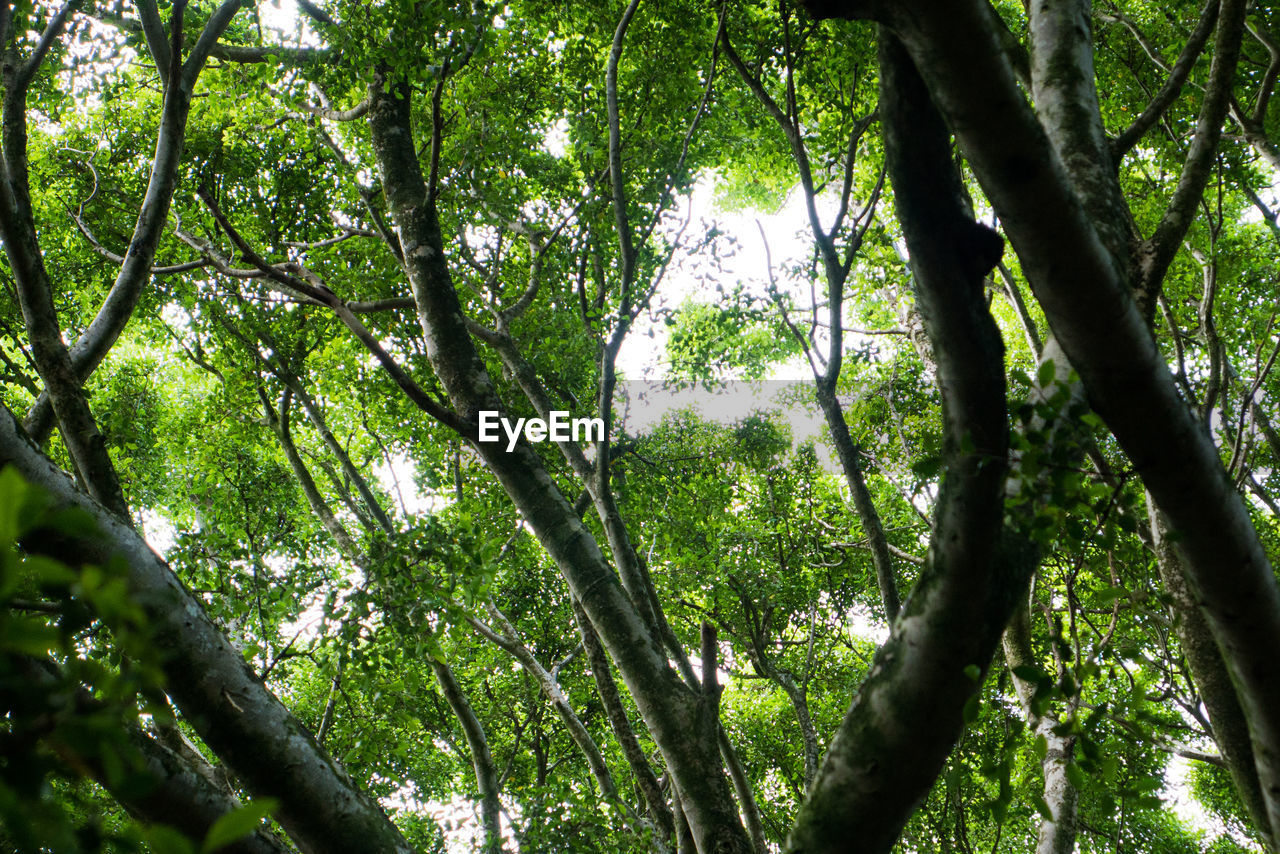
x,y
558,428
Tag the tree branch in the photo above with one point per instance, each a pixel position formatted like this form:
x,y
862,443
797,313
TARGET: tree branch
x,y
1198,165
1173,84
233,712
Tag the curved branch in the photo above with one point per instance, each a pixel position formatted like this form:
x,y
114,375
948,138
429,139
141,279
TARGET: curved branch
x,y
52,30
136,267
909,711
1197,168
1173,84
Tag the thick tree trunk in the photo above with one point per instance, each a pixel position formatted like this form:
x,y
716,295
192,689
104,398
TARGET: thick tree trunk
x,y
1209,672
676,715
1085,296
909,710
178,795
1057,835
233,712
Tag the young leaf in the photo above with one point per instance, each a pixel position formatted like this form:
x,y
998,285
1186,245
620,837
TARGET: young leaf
x,y
237,824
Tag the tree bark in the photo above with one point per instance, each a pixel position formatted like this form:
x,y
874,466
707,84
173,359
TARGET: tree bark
x,y
1086,301
178,795
1057,833
481,758
1085,297
135,269
1212,681
909,710
229,707
675,714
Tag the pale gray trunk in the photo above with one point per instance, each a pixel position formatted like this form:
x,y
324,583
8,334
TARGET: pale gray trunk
x,y
481,758
1209,673
1057,833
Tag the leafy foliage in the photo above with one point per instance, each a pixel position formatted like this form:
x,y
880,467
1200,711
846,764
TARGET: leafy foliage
x,y
360,556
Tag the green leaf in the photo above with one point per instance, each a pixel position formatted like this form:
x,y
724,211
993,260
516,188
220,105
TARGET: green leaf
x,y
28,637
927,468
1075,775
972,707
1107,595
1030,673
47,571
162,839
237,824
1147,784
1046,373
1147,802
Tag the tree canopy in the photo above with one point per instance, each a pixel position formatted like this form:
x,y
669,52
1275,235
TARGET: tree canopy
x,y
267,586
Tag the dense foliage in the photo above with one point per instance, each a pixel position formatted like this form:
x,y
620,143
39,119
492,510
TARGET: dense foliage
x,y
265,266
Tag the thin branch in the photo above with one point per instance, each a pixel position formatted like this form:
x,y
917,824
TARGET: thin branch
x,y
1267,88
153,31
625,249
323,295
162,270
1199,162
51,33
1173,84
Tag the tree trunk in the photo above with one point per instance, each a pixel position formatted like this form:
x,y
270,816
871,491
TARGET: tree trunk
x,y
481,758
1209,672
677,716
233,712
178,795
909,710
1085,296
1057,833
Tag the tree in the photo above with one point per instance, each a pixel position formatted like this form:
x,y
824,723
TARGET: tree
x,y
349,243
